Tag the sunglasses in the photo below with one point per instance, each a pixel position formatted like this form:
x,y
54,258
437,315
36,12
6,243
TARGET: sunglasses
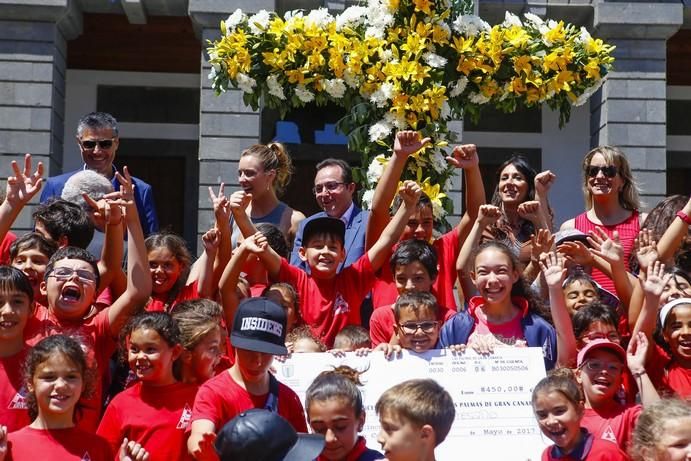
x,y
608,171
410,328
102,143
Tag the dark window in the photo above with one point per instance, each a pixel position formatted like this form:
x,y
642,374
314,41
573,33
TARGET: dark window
x,y
521,121
143,104
678,172
678,117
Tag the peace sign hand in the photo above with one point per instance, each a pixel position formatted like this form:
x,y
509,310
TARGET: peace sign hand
x,y
24,185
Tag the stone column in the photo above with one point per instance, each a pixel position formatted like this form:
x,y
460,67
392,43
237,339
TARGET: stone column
x,y
629,111
226,125
33,40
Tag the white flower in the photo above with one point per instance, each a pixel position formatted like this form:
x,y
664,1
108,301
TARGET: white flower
x,y
445,110
380,130
434,60
438,163
367,198
511,19
584,37
246,83
438,210
397,120
351,79
376,168
478,98
385,55
213,73
382,94
304,94
352,16
458,86
335,87
259,22
289,15
374,32
470,25
582,99
234,20
534,20
275,87
319,18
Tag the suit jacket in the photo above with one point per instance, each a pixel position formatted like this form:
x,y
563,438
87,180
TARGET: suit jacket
x,y
143,196
354,238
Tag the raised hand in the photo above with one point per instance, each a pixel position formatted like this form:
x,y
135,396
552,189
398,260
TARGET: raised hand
x,y
646,249
464,156
576,252
24,184
256,243
552,266
211,240
655,279
132,451
543,182
483,344
530,211
542,242
488,215
206,451
239,200
608,248
105,212
126,192
220,203
409,142
636,353
410,192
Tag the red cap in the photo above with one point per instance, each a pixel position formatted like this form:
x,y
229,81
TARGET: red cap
x,y
614,348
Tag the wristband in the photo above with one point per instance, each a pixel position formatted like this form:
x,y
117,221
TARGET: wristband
x,y
684,217
639,374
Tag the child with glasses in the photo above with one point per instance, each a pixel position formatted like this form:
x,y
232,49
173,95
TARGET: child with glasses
x,y
417,321
600,367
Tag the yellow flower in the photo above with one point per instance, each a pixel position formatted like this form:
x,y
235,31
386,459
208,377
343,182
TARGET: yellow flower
x,y
462,45
594,45
516,36
414,45
517,86
440,35
556,34
521,64
393,5
592,69
424,6
532,96
432,191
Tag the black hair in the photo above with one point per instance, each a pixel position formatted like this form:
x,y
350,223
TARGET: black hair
x,y
415,300
595,311
346,172
275,238
33,240
71,252
12,279
41,352
423,202
97,120
560,380
178,247
163,324
61,218
413,250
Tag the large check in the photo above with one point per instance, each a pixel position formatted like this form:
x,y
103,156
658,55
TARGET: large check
x,y
492,395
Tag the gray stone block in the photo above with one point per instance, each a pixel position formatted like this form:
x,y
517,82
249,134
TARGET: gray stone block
x,y
230,101
26,94
635,89
645,158
632,110
214,148
641,65
210,171
230,125
650,201
27,30
652,182
26,71
23,118
634,134
628,19
639,49
19,142
205,219
27,51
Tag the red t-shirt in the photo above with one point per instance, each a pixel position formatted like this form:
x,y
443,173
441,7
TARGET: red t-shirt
x,y
157,303
599,450
99,344
220,399
5,248
329,305
383,321
614,423
13,409
447,248
154,416
72,444
668,377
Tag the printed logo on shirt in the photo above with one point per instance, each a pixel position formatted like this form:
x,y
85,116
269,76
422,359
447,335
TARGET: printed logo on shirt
x,y
86,456
547,348
287,371
19,400
260,324
185,418
608,434
340,305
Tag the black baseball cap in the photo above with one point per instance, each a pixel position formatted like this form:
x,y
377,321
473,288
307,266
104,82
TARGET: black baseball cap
x,y
262,435
260,325
323,225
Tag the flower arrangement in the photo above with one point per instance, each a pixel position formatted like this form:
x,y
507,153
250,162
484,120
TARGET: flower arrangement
x,y
406,64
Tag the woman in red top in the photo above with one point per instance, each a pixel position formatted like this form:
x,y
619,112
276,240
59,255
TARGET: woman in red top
x,y
611,200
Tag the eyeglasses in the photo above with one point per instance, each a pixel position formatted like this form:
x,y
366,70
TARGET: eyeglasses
x,y
410,328
609,171
612,336
331,186
65,273
102,143
598,365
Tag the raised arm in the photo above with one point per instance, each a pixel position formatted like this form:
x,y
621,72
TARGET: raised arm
x,y
222,213
652,285
109,215
258,245
636,355
673,237
229,281
138,276
612,252
379,252
488,215
239,201
21,188
405,144
206,287
543,183
552,266
465,157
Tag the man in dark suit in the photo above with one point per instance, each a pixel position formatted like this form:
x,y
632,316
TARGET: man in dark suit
x,y
98,140
334,189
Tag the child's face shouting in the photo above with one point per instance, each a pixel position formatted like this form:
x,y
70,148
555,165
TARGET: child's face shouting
x,y
559,419
323,254
600,376
418,329
70,288
165,270
335,419
401,440
151,357
15,308
677,332
412,277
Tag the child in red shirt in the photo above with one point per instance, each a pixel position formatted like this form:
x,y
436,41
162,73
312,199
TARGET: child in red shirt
x,y
30,254
330,300
56,379
156,411
15,310
559,408
257,335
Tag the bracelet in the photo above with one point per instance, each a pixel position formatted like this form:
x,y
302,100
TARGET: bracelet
x,y
684,217
639,374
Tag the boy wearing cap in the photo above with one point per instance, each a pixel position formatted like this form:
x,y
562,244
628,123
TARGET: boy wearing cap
x,y
601,364
258,333
330,300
